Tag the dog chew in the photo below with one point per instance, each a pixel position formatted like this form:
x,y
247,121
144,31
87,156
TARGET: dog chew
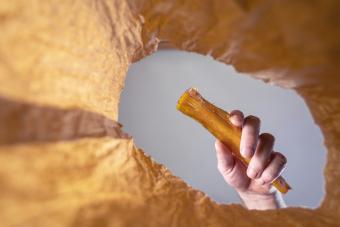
x,y
217,122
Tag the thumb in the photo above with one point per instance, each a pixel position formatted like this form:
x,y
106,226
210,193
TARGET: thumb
x,y
233,171
225,160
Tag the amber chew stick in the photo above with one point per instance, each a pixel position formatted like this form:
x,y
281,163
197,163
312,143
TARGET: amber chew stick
x,y
217,122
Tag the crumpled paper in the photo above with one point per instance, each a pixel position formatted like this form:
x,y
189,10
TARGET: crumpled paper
x,y
64,159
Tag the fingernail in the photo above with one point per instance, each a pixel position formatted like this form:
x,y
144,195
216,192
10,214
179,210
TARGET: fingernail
x,y
252,173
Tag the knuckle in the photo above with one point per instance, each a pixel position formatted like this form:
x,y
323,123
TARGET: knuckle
x,y
222,169
254,171
257,170
268,176
226,172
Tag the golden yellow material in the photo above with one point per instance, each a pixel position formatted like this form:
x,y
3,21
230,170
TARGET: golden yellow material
x,y
217,122
63,157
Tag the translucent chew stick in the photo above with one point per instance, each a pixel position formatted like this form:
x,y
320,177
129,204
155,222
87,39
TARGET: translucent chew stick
x,y
216,120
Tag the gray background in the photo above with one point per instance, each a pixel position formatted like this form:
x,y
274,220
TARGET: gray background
x,y
148,113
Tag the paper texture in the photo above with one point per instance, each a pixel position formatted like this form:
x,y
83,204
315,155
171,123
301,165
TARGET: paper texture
x,y
64,160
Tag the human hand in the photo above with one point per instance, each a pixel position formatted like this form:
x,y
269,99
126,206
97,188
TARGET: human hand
x,y
252,183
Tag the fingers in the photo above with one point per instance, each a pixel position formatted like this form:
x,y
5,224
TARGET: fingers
x,y
257,148
274,168
249,136
237,117
262,156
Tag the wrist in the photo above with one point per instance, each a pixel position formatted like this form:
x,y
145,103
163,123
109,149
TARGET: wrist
x,y
262,201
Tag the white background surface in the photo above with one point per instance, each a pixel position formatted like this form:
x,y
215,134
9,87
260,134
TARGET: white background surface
x,y
148,113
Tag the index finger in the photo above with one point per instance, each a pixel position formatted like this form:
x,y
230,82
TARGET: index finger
x,y
237,117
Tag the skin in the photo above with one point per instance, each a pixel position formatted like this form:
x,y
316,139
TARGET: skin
x,y
252,183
